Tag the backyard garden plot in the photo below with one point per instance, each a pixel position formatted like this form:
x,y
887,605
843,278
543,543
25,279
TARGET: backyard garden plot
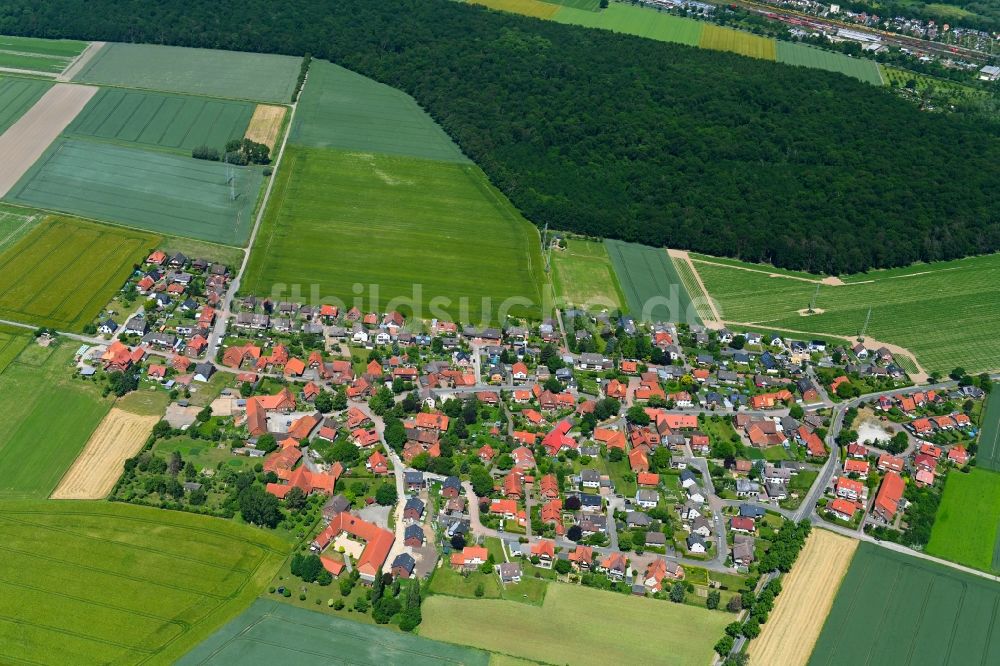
x,y
393,224
810,56
634,20
96,583
152,190
946,313
271,633
639,631
48,56
582,274
254,76
525,7
17,96
967,525
341,109
653,290
64,271
737,41
179,122
49,417
988,455
897,609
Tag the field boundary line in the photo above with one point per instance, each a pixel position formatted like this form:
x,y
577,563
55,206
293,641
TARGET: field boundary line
x,y
683,255
80,61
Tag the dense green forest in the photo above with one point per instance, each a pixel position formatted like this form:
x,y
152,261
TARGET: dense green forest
x,y
619,136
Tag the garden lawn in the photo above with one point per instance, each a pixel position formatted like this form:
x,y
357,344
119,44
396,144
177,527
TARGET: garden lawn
x,y
17,96
968,520
159,120
803,55
634,20
203,454
49,415
897,609
276,633
395,227
254,76
583,276
652,287
947,313
64,271
341,109
152,190
98,583
554,633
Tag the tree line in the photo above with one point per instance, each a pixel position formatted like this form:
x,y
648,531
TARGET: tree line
x,y
617,136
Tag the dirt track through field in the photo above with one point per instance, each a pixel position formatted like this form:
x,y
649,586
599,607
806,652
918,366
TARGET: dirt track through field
x,y
807,595
25,141
265,124
118,437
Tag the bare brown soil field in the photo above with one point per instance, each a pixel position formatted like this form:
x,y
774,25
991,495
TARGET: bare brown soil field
x,y
265,124
25,141
118,437
807,594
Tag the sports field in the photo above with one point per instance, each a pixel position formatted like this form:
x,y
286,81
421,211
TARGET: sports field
x,y
524,7
49,417
809,56
98,583
254,76
947,313
967,527
17,96
270,632
583,276
806,597
341,109
737,41
640,631
153,190
64,271
988,455
50,56
160,120
394,225
897,609
653,290
635,20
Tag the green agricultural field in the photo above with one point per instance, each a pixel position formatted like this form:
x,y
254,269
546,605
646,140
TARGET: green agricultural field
x,y
179,122
803,55
50,416
15,223
255,76
947,313
273,633
39,55
554,633
12,341
897,609
17,96
394,225
988,455
737,41
64,271
341,109
99,583
582,274
635,20
968,521
653,289
161,192
590,5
